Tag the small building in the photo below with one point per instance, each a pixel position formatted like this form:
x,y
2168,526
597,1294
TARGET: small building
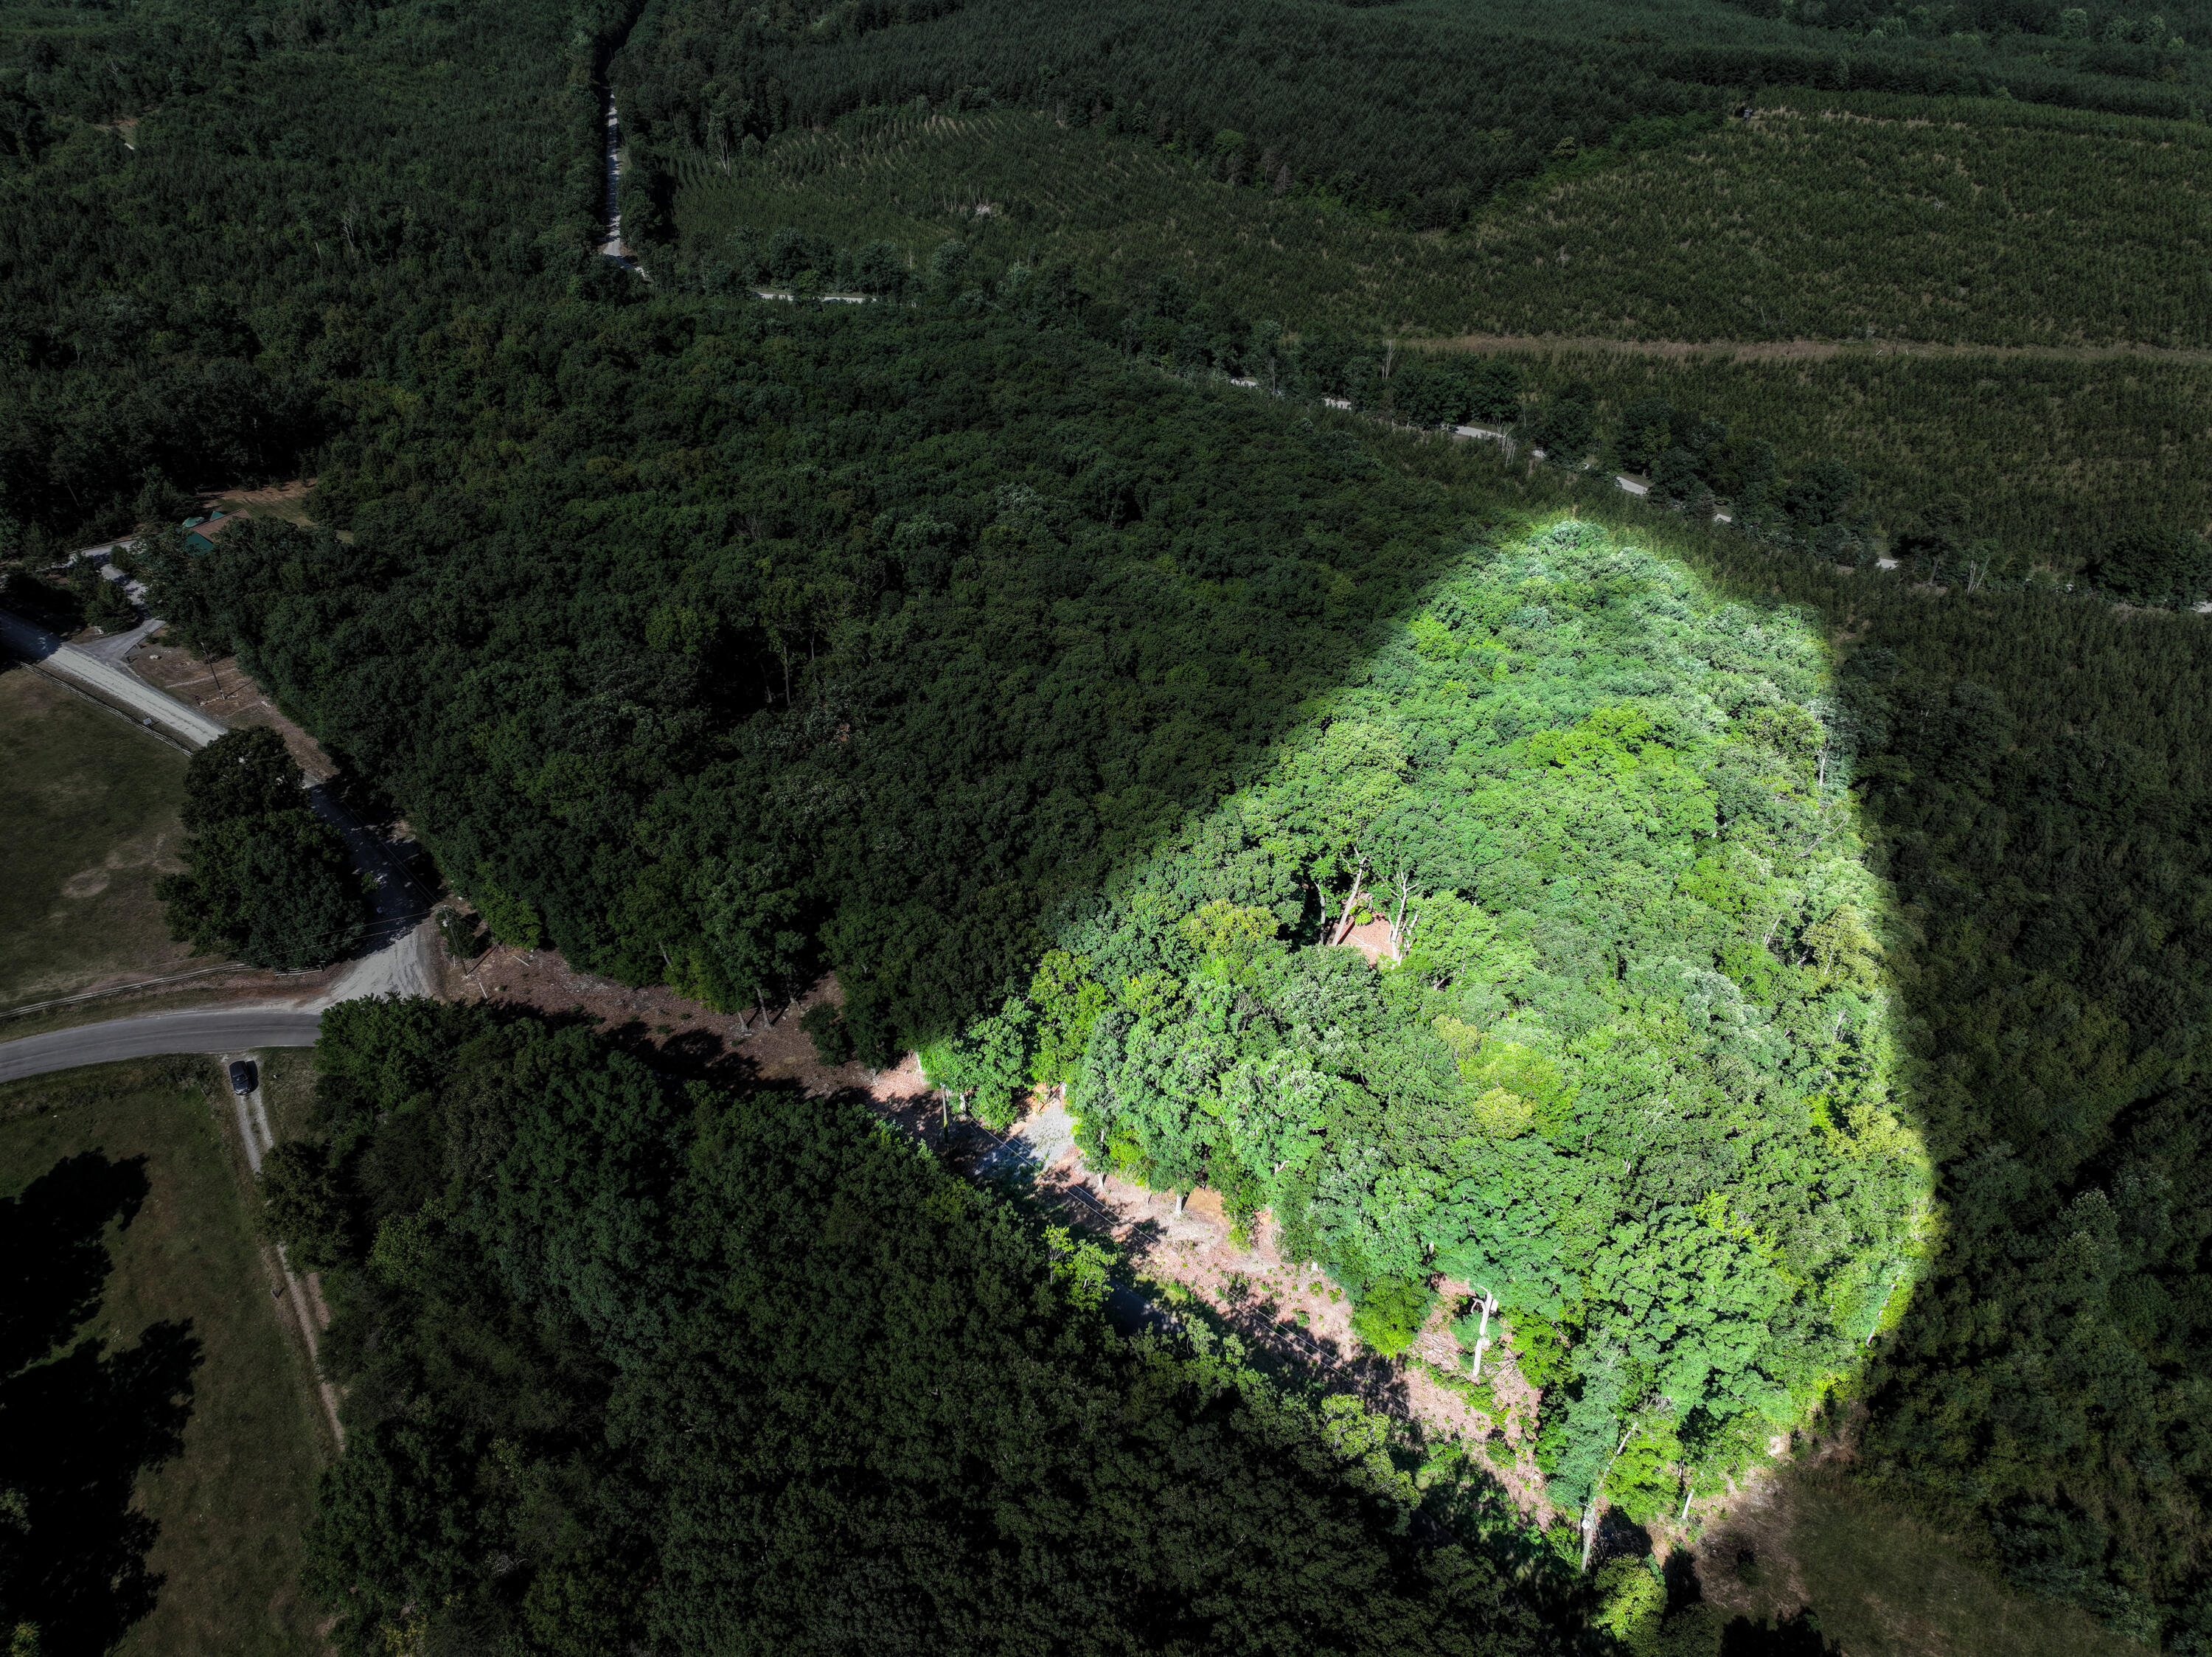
x,y
200,533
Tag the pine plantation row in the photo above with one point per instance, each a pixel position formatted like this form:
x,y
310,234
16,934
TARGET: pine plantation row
x,y
1824,216
2044,456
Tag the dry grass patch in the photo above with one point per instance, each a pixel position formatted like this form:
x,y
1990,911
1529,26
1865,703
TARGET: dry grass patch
x,y
1881,1582
88,817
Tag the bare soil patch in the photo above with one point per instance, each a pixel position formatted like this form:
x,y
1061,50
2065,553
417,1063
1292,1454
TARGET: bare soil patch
x,y
222,690
285,500
541,980
1292,1320
1193,1264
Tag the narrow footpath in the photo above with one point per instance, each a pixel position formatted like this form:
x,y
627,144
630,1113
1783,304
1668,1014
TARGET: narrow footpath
x,y
306,1292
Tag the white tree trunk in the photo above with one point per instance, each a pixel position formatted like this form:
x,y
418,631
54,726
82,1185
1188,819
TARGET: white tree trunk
x,y
1405,884
1351,903
1488,1304
1591,1513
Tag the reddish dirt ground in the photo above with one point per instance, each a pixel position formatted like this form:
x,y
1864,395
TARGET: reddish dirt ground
x,y
1289,1318
222,690
1371,939
693,1034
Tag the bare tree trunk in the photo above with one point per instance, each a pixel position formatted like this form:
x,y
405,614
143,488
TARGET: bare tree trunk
x,y
1589,1513
1351,903
1489,1304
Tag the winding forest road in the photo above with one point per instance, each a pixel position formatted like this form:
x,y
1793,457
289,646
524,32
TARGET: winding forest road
x,y
1805,350
613,245
397,957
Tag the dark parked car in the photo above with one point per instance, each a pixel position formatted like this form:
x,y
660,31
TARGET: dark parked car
x,y
241,1075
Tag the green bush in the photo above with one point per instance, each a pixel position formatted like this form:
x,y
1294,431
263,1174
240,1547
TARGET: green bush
x,y
265,878
826,1027
305,1206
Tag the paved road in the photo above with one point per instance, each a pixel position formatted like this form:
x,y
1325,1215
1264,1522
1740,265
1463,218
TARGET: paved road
x,y
403,899
394,960
114,647
205,1030
108,679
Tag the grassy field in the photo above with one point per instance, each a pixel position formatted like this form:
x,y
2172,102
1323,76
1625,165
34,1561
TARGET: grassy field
x,y
1884,1584
288,1091
164,1433
1825,216
89,822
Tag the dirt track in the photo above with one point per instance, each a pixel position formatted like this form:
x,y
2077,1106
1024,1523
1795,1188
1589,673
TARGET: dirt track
x,y
1802,350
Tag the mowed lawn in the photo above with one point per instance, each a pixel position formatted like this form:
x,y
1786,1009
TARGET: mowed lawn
x,y
88,816
161,1426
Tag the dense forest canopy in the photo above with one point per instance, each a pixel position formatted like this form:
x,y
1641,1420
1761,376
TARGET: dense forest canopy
x,y
1424,109
218,223
1628,1065
1822,214
629,1362
725,642
717,641
265,881
1857,218
2039,798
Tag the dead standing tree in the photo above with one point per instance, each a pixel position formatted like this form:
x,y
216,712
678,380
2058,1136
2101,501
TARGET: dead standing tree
x,y
1342,929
